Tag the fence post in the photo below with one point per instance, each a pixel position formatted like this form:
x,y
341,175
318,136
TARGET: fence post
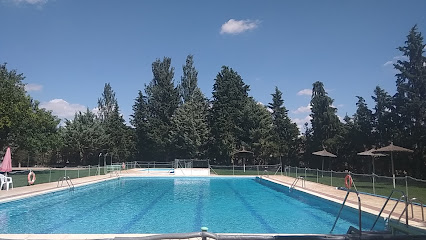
x,y
374,187
331,174
317,175
296,173
281,168
406,187
89,170
50,174
305,172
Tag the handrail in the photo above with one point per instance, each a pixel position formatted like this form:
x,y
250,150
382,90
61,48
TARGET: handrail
x,y
67,180
399,200
293,185
341,208
421,205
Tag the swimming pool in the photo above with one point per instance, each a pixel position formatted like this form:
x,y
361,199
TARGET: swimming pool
x,y
176,204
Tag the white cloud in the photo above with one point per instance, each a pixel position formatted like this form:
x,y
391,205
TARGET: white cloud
x,y
387,63
62,108
33,2
238,26
307,92
31,87
394,60
300,122
303,109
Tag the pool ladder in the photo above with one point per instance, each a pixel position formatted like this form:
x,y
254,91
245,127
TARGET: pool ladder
x,y
403,198
351,229
67,179
293,185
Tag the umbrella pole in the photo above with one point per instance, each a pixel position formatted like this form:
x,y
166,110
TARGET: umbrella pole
x,y
393,170
322,168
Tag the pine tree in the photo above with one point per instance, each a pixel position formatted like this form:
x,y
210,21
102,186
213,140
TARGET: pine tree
x,y
118,142
229,100
410,99
383,125
363,125
190,132
325,123
189,80
285,133
162,99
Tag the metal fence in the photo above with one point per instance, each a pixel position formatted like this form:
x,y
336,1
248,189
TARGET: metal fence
x,y
367,183
46,175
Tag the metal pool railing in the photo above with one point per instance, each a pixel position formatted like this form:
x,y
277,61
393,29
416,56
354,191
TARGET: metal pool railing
x,y
46,175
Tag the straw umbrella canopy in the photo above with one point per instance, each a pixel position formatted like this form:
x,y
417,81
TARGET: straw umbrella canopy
x,y
392,148
372,154
244,154
323,153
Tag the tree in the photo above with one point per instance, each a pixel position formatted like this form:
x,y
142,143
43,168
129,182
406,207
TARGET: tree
x,y
153,112
383,125
139,120
410,99
363,125
285,133
85,136
229,100
258,124
325,123
119,141
189,80
14,105
190,131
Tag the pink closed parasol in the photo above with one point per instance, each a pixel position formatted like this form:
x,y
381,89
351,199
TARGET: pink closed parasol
x,y
6,165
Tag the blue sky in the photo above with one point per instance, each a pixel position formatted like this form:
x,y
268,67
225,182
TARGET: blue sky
x,y
69,49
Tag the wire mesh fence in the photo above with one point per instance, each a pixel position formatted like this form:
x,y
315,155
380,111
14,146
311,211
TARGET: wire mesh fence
x,y
20,178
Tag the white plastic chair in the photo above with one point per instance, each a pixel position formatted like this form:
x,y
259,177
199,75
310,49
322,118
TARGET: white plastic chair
x,y
5,181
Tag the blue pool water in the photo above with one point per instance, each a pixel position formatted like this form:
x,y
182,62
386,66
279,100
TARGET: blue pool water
x,y
167,205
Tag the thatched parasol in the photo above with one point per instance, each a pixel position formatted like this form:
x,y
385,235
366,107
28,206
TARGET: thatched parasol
x,y
244,154
392,148
373,156
323,154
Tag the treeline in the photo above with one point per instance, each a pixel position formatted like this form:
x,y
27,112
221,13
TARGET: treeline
x,y
175,120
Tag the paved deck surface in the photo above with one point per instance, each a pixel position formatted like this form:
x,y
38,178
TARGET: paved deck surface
x,y
370,204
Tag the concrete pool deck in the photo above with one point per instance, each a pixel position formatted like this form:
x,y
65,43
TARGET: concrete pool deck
x,y
370,204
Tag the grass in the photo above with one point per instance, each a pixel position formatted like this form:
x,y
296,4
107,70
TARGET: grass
x,y
382,186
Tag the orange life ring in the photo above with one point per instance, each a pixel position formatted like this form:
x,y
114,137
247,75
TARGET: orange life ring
x,y
348,181
31,180
123,166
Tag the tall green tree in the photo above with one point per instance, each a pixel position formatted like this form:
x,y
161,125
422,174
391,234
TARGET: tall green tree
x,y
325,123
15,105
410,98
383,124
190,130
229,99
363,125
84,138
189,79
140,122
258,125
285,133
119,142
154,111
